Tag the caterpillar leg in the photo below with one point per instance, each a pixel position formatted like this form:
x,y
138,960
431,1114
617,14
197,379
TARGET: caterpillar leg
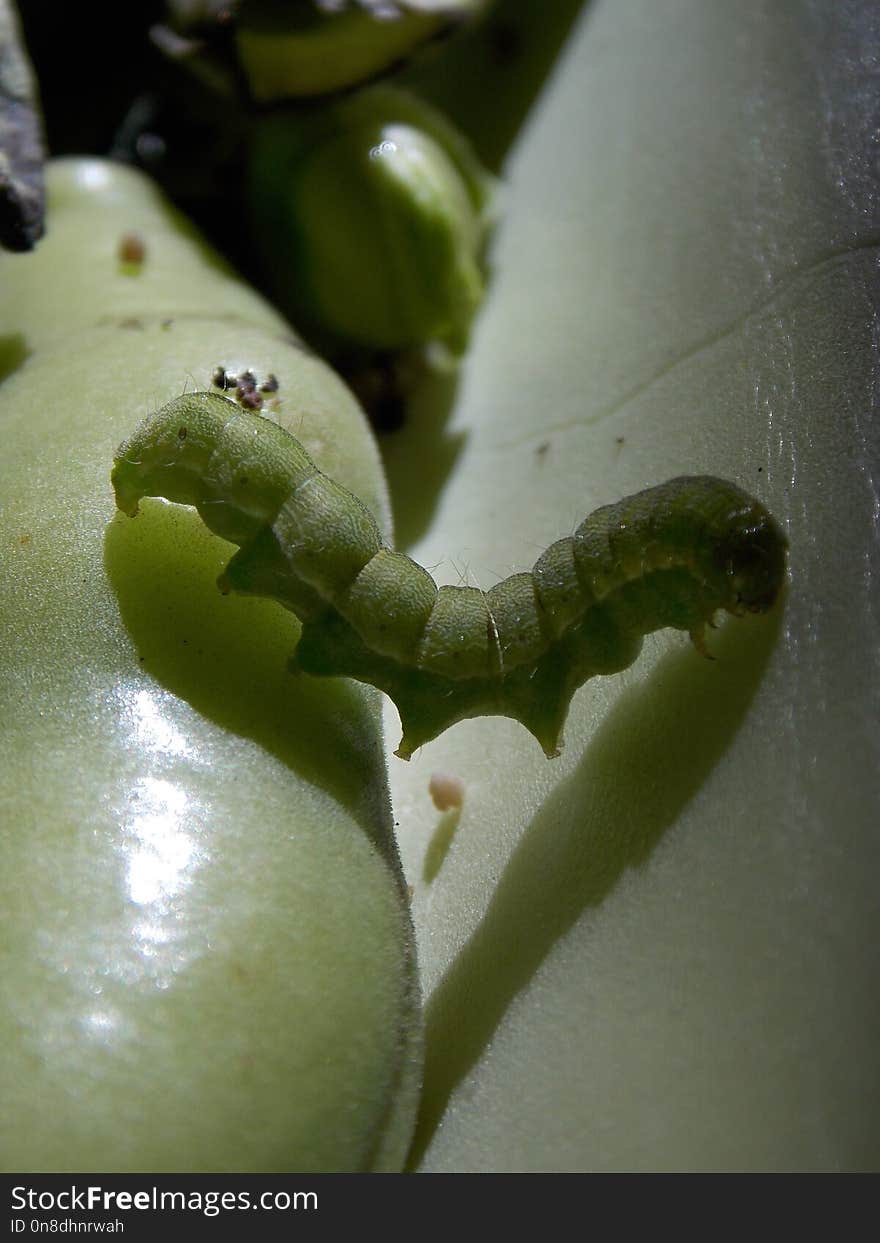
x,y
260,568
698,638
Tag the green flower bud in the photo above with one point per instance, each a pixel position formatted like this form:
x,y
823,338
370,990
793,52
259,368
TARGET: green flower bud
x,y
291,50
373,221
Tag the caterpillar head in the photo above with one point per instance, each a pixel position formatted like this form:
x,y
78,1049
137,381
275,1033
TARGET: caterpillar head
x,y
749,556
168,455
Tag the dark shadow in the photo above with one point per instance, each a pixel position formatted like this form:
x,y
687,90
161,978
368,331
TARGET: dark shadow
x,y
653,752
227,657
13,353
419,457
487,77
438,846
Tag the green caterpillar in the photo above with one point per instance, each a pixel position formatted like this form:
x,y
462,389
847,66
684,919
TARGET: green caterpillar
x,y
672,555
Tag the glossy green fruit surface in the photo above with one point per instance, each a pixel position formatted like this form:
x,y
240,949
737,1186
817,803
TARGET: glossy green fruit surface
x,y
205,941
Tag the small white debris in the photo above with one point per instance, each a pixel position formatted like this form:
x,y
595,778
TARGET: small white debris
x,y
446,791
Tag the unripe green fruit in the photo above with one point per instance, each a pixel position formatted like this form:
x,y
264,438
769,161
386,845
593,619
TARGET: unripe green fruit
x,y
206,959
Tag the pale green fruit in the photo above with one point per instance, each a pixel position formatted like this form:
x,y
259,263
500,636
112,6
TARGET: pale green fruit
x,y
204,935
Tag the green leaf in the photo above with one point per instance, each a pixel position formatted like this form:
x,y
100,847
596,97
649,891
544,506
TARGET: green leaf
x,y
659,952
